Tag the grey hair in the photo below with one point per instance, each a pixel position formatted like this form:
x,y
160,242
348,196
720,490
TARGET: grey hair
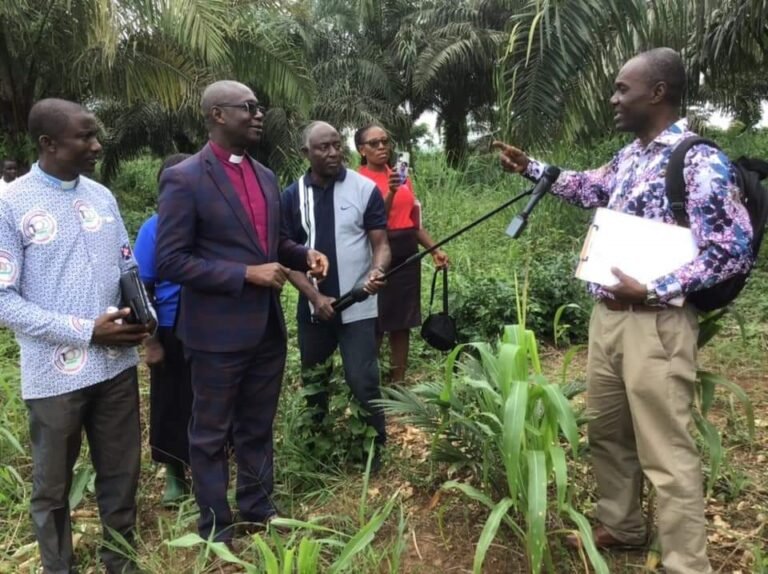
x,y
307,133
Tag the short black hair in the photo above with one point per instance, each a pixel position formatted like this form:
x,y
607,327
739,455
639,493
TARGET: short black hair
x,y
666,65
360,139
50,117
170,161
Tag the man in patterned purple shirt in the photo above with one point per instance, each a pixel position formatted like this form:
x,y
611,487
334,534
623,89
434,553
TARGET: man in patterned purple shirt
x,y
641,367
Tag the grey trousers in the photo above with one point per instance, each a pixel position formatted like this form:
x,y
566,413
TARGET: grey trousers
x,y
109,413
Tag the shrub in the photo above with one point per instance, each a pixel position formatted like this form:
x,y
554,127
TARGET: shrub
x,y
135,189
481,305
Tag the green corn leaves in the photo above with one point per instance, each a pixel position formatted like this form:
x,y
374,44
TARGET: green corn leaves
x,y
514,427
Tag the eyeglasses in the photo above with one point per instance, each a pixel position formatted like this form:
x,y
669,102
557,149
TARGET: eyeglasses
x,y
382,142
252,108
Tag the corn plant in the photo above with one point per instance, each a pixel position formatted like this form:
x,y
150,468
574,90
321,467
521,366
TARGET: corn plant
x,y
496,413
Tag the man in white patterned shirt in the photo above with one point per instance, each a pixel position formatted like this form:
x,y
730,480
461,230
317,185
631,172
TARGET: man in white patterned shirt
x,y
63,247
10,170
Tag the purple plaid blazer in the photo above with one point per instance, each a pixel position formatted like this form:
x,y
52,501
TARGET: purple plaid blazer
x,y
205,240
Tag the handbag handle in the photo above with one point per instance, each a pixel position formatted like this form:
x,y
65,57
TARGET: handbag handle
x,y
445,289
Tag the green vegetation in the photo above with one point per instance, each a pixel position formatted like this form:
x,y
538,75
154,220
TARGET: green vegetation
x,y
487,469
463,483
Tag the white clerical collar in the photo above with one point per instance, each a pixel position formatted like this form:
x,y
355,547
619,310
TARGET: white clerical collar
x,y
55,181
236,158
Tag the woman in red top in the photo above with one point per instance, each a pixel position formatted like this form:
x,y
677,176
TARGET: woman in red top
x,y
400,300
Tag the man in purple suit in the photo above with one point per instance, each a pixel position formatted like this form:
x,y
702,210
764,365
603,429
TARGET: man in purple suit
x,y
218,235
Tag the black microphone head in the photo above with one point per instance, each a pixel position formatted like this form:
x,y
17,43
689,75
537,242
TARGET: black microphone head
x,y
551,172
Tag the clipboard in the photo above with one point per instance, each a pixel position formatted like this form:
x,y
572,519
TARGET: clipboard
x,y
642,248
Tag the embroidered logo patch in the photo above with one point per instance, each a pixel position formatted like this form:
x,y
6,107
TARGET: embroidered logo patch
x,y
9,269
89,219
38,226
126,252
76,324
69,360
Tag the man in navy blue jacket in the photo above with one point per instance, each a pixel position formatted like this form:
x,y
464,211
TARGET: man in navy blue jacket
x,y
219,237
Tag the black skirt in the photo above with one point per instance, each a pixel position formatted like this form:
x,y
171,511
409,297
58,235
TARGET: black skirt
x,y
400,300
170,402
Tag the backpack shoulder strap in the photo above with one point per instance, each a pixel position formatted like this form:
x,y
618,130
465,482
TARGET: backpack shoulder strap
x,y
674,183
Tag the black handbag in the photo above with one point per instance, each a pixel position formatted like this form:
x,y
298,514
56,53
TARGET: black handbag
x,y
439,329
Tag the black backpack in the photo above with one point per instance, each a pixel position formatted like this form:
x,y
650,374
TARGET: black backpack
x,y
749,173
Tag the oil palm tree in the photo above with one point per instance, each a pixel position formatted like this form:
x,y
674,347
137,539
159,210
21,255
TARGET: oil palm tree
x,y
456,53
150,55
85,49
561,58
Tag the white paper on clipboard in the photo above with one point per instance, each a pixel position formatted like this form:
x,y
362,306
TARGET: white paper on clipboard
x,y
641,248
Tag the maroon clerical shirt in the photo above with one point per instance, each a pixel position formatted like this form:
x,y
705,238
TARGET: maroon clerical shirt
x,y
243,179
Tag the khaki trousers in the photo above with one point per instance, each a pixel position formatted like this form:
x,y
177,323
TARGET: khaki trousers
x,y
640,383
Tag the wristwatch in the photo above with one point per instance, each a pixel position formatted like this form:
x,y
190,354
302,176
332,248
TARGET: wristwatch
x,y
651,297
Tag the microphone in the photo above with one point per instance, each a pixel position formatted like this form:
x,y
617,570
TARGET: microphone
x,y
346,301
516,227
518,224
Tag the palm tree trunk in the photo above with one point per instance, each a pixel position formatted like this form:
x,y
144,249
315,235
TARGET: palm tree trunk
x,y
456,132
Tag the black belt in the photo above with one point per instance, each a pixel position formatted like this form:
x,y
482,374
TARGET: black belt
x,y
614,305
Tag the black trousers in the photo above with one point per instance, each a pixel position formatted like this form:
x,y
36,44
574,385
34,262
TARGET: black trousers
x,y
359,353
170,400
109,413
235,395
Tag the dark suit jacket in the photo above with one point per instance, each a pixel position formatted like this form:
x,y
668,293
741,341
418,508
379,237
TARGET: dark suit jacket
x,y
205,240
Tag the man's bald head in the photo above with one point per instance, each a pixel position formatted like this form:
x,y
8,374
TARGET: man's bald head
x,y
233,116
223,92
51,117
316,129
323,148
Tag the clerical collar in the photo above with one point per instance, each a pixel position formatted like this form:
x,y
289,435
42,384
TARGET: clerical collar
x,y
224,155
55,181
